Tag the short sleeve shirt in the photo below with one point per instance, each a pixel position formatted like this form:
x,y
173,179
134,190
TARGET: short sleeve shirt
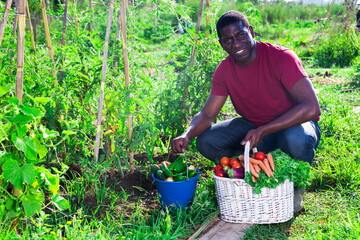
x,y
260,91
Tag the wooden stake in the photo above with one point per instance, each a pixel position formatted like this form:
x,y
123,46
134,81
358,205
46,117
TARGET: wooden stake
x,y
103,78
47,32
61,73
19,72
102,88
127,77
192,58
30,27
75,18
4,20
90,7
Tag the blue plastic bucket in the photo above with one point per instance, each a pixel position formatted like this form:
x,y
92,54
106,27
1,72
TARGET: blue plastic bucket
x,y
176,194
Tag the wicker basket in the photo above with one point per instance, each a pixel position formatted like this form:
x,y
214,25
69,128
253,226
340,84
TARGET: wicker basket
x,y
238,203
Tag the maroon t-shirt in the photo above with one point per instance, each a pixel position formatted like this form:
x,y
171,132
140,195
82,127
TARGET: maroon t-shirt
x,y
260,92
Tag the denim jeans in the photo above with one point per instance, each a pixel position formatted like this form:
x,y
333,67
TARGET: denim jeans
x,y
223,139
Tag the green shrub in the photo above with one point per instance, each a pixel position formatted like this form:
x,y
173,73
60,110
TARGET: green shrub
x,y
338,50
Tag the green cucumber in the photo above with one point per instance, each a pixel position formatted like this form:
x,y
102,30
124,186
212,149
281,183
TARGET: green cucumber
x,y
180,167
160,175
166,171
154,168
179,178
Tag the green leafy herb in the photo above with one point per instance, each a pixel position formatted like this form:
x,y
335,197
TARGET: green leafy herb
x,y
285,168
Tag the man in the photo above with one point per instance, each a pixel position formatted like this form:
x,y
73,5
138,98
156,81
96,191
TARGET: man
x,y
269,90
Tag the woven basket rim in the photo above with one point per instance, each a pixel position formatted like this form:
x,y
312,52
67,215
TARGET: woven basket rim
x,y
243,180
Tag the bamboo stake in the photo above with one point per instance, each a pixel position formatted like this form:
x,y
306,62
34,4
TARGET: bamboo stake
x,y
47,32
103,77
207,18
4,20
75,17
13,34
90,7
127,76
20,49
63,38
192,58
102,88
30,27
20,70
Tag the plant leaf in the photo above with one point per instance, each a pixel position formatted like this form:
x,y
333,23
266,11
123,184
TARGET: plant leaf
x,y
12,172
5,89
42,100
32,203
60,202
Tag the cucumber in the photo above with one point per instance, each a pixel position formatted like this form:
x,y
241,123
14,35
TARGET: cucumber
x,y
180,167
154,168
166,171
160,175
179,178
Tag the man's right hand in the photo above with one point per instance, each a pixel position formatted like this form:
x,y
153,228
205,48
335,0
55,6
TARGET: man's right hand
x,y
179,144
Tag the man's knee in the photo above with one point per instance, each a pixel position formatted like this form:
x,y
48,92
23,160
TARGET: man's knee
x,y
299,146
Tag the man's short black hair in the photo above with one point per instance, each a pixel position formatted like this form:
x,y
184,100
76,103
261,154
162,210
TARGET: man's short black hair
x,y
229,18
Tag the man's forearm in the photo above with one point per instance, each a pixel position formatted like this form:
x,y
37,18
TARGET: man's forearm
x,y
198,125
297,115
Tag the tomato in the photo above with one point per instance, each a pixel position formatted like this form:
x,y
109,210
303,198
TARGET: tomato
x,y
236,165
233,161
220,173
225,161
253,155
218,168
260,156
166,162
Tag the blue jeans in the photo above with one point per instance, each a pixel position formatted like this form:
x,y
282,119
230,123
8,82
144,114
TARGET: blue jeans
x,y
223,139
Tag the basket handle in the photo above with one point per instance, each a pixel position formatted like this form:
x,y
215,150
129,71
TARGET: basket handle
x,y
246,155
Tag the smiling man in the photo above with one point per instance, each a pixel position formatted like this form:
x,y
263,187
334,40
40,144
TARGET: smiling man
x,y
270,91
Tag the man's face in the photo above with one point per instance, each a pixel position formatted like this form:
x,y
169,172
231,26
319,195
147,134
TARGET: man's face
x,y
238,41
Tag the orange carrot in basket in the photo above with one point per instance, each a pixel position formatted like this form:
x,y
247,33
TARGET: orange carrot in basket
x,y
252,170
257,168
266,170
271,161
267,165
253,179
252,160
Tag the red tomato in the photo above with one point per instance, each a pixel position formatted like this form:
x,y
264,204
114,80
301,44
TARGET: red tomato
x,y
236,165
225,161
218,168
233,161
260,156
220,173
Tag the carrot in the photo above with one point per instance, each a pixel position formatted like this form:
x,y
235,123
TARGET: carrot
x,y
271,161
266,170
252,170
257,168
267,165
252,160
253,179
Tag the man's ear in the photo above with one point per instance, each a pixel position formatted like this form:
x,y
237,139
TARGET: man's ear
x,y
252,31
